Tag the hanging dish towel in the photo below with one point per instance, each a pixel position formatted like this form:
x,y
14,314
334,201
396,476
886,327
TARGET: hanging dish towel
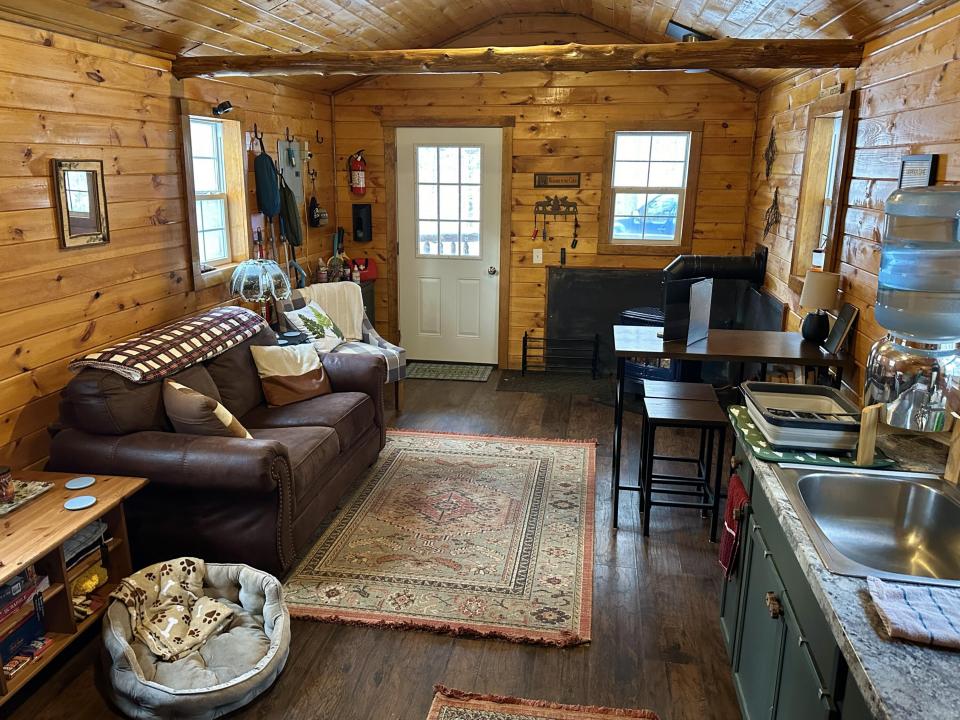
x,y
920,613
737,500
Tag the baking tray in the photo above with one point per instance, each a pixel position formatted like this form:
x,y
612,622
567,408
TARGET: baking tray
x,y
803,416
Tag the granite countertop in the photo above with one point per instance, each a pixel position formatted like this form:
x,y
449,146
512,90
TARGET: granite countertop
x,y
897,679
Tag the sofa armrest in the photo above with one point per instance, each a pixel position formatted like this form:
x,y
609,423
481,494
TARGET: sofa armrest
x,y
175,460
359,373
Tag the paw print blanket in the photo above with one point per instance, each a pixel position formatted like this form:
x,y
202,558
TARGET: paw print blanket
x,y
168,610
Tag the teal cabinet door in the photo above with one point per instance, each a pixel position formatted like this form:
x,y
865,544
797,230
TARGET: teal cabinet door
x,y
757,663
802,694
732,589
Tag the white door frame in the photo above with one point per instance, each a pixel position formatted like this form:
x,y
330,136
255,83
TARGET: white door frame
x,y
507,122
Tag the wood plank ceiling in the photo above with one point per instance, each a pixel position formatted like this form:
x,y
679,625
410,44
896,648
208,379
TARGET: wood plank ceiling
x,y
195,27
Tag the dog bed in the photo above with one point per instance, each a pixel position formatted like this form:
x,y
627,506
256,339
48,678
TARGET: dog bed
x,y
227,672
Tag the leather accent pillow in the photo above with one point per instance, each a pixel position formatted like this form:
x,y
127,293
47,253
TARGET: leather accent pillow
x,y
317,325
195,413
290,373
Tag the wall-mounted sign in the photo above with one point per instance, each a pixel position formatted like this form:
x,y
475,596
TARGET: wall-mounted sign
x,y
556,180
917,170
832,90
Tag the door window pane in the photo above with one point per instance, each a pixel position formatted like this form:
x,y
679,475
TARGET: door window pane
x,y
449,238
470,239
449,165
427,202
427,164
448,190
427,238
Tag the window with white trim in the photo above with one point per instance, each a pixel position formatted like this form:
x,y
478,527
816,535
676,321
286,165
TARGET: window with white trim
x,y
448,200
210,190
650,172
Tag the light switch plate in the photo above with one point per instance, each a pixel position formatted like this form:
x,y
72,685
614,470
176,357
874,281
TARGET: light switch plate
x,y
538,256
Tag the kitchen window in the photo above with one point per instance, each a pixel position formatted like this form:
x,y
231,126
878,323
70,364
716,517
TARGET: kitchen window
x,y
649,189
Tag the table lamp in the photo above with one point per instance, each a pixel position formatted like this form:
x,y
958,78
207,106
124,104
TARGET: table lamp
x,y
819,294
259,280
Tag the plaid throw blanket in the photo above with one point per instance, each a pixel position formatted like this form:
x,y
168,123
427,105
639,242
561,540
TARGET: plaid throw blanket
x,y
175,347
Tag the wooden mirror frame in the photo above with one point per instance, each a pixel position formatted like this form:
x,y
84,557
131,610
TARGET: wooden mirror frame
x,y
842,106
102,235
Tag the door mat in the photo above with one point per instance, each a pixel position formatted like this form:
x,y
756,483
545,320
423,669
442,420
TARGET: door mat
x,y
461,534
448,371
449,704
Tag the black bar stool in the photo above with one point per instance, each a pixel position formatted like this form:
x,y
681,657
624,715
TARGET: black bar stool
x,y
668,389
703,415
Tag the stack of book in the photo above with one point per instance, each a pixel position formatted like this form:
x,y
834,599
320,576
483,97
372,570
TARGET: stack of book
x,y
24,640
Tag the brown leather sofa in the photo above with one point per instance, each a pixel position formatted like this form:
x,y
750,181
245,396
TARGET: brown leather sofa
x,y
256,501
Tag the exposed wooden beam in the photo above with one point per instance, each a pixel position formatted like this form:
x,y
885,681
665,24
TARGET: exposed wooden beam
x,y
728,53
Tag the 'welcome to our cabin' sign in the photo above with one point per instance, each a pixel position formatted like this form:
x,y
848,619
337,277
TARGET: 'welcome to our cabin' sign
x,y
556,180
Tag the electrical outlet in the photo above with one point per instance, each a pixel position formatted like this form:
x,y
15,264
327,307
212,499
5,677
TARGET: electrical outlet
x,y
538,256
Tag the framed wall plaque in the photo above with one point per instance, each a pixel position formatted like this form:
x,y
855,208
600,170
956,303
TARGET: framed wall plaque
x,y
917,170
556,180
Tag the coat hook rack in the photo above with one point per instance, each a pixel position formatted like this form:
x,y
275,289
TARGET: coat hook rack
x,y
561,207
319,139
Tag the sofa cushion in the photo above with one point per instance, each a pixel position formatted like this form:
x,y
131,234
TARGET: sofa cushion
x,y
290,374
351,414
198,414
102,402
235,374
311,450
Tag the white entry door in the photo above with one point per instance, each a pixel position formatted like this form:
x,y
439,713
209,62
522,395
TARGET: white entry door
x,y
448,228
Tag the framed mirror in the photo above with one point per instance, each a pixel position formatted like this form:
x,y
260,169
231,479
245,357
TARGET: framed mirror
x,y
81,202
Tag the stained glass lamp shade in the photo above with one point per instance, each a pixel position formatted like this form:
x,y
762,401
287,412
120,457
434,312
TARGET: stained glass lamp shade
x,y
259,280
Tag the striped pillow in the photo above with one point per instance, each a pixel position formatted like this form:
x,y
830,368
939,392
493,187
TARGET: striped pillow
x,y
290,374
195,413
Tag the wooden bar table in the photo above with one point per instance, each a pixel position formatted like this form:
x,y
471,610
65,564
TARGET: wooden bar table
x,y
744,346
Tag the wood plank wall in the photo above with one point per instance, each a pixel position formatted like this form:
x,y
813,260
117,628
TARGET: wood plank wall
x,y
561,120
907,104
62,97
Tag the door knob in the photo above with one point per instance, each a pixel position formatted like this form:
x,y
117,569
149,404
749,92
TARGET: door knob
x,y
491,270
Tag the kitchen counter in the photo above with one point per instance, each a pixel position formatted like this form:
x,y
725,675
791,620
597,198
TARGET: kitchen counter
x,y
897,679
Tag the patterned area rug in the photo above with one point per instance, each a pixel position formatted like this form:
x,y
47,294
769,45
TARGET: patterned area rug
x,y
448,371
458,705
469,535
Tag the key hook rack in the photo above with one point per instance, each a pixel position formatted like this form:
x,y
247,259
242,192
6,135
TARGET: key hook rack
x,y
557,207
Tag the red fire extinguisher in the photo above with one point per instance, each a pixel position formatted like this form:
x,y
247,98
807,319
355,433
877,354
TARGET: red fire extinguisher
x,y
357,168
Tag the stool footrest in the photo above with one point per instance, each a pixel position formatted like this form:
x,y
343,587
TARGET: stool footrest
x,y
681,504
679,479
668,491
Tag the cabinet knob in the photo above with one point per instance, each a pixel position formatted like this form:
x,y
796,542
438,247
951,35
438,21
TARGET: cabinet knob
x,y
773,605
735,463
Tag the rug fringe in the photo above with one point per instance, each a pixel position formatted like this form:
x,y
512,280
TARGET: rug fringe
x,y
454,694
482,436
566,638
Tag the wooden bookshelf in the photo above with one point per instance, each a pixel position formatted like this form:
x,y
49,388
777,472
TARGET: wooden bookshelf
x,y
34,534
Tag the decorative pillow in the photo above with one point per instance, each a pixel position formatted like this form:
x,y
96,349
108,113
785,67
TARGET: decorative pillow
x,y
195,413
290,373
318,326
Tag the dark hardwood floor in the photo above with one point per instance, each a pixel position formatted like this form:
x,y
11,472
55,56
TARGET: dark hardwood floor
x,y
656,636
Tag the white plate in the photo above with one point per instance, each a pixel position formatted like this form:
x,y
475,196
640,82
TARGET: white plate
x,y
81,502
79,483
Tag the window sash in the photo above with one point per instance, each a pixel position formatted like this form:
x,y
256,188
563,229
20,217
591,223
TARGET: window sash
x,y
678,190
678,218
223,254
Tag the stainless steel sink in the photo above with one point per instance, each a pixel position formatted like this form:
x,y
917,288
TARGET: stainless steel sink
x,y
896,526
